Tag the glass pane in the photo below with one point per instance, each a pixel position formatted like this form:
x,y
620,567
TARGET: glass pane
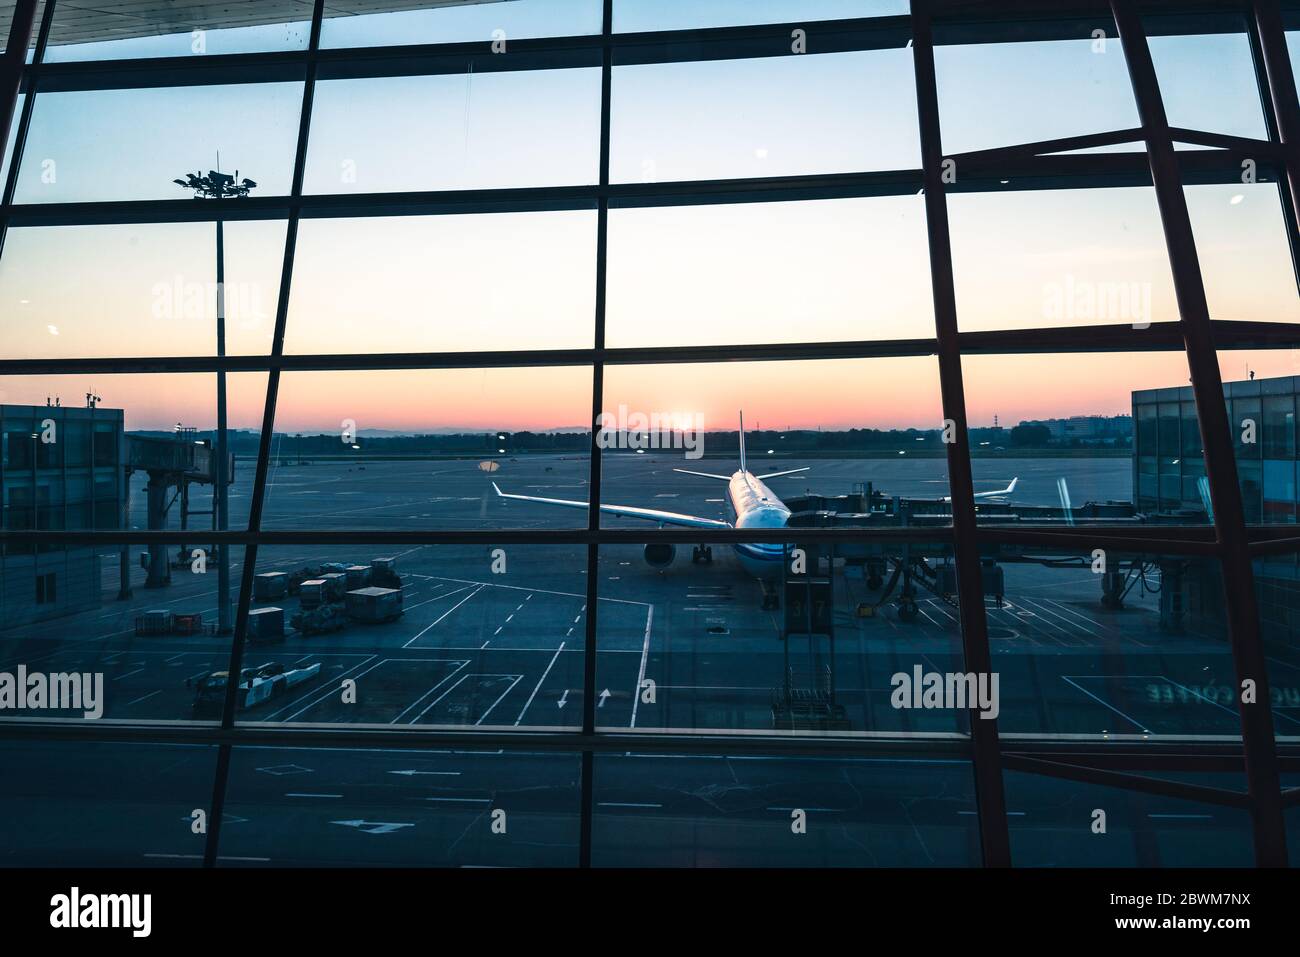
x,y
445,283
455,132
1062,426
697,810
93,31
1109,645
844,425
635,16
1001,94
757,638
1260,387
422,449
1052,825
1242,246
769,272
1292,818
143,622
1208,82
139,290
782,116
463,637
102,804
455,21
99,145
372,808
112,632
1024,260
1277,589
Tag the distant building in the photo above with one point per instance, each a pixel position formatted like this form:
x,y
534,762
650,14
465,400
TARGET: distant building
x,y
60,468
1088,429
1169,464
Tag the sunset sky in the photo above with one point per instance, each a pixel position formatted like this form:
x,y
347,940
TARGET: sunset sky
x,y
811,271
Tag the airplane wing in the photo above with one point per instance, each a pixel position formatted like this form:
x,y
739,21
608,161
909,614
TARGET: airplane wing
x,y
624,511
723,478
779,474
1001,491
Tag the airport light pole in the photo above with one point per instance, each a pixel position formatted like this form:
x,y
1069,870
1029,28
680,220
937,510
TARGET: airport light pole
x,y
220,186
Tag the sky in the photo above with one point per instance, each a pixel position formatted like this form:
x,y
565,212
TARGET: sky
x,y
722,274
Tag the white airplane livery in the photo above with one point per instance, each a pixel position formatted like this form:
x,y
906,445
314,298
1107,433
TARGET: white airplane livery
x,y
751,504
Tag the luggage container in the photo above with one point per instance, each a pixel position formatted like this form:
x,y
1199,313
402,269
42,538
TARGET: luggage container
x,y
155,622
336,585
187,624
375,605
266,624
269,586
358,576
312,592
383,573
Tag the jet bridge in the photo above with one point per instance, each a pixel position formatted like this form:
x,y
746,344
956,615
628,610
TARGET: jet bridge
x,y
173,464
897,573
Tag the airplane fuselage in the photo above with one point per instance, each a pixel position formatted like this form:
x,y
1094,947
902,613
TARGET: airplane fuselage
x,y
754,505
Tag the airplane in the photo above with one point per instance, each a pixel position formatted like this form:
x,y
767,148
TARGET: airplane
x,y
751,504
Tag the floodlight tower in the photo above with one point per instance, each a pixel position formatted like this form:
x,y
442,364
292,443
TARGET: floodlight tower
x,y
220,186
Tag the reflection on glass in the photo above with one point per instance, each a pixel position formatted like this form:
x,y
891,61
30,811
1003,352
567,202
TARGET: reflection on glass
x,y
1052,825
636,16
318,808
1277,589
461,22
769,272
1110,645
715,811
94,32
102,804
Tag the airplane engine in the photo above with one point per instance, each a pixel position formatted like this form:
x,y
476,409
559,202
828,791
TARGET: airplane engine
x,y
660,556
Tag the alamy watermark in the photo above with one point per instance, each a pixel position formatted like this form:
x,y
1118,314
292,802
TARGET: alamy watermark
x,y
654,430
950,690
23,690
1075,300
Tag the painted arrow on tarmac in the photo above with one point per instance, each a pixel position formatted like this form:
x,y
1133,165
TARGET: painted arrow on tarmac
x,y
603,695
413,771
374,827
564,698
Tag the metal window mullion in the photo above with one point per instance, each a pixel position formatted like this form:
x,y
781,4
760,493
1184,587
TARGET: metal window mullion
x,y
257,498
986,761
1281,110
12,69
1207,384
587,797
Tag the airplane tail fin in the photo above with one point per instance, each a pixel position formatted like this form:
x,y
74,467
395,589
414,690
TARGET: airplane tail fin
x,y
742,441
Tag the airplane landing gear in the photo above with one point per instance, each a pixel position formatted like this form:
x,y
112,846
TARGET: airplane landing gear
x,y
702,555
907,607
875,575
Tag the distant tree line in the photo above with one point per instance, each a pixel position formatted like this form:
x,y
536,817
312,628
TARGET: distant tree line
x,y
1027,435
